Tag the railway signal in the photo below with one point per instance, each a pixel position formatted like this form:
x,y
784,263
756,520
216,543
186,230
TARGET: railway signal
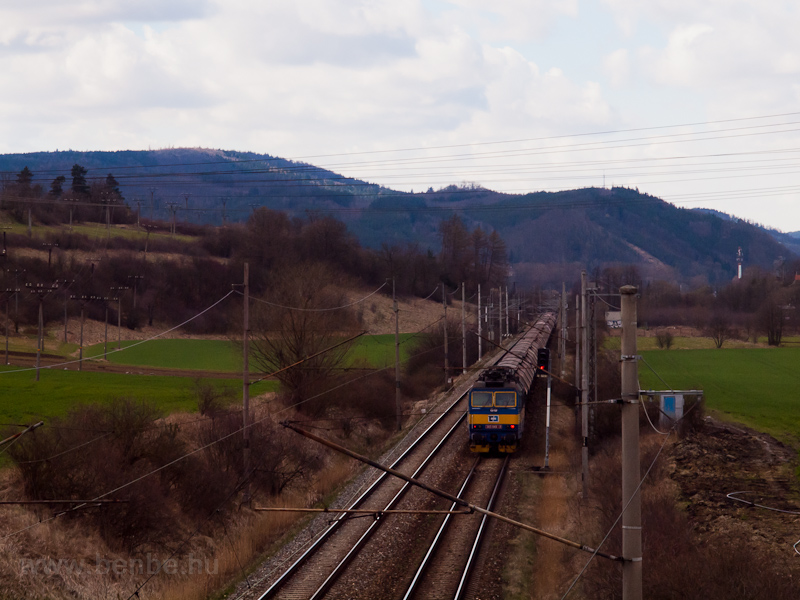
x,y
543,359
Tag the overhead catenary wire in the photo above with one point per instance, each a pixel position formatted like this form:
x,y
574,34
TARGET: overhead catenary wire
x,y
449,146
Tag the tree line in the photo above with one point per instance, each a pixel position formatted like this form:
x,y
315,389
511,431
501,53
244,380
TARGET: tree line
x,y
83,199
202,263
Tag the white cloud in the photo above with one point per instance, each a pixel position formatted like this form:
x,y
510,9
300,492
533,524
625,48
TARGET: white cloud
x,y
617,66
307,77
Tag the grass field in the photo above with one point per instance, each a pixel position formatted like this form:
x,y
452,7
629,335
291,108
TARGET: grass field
x,y
222,355
23,399
199,355
696,343
759,387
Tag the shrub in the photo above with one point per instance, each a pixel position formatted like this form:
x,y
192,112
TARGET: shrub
x,y
664,339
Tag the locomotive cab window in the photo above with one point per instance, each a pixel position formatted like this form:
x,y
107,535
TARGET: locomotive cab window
x,y
505,399
481,398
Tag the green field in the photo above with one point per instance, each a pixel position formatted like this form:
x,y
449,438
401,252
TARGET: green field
x,y
221,355
198,355
23,399
759,387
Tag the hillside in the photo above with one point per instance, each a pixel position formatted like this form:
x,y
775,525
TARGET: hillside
x,y
550,236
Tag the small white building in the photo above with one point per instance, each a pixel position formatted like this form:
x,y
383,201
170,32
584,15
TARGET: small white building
x,y
614,319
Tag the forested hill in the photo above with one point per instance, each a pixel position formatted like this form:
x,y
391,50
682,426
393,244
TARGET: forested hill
x,y
550,236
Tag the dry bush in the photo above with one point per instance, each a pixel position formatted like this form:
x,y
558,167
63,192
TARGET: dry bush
x,y
677,564
95,450
276,457
664,339
357,398
424,370
212,399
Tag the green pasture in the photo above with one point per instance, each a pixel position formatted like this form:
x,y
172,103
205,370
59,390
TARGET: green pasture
x,y
222,355
759,387
377,351
92,231
23,399
197,355
692,343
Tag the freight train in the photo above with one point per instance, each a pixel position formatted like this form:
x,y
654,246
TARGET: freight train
x,y
496,417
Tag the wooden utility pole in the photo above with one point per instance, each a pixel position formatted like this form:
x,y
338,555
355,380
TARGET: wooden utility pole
x,y
631,499
246,383
396,357
584,392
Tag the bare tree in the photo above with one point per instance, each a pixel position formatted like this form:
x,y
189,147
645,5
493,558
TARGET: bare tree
x,y
297,319
719,329
664,339
770,317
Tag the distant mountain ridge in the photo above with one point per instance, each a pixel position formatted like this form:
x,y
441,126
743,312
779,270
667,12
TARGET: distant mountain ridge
x,y
550,235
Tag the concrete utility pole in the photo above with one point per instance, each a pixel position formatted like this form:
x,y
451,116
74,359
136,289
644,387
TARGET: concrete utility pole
x,y
480,341
174,208
396,309
83,300
67,285
490,314
500,315
584,392
9,292
136,279
41,291
632,515
563,345
446,357
105,342
463,330
246,383
508,331
119,291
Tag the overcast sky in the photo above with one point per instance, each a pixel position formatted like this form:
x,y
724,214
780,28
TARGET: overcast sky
x,y
514,95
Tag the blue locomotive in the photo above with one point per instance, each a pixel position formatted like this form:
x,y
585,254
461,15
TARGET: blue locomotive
x,y
496,417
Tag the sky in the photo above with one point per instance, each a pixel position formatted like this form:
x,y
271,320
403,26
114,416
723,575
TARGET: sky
x,y
697,103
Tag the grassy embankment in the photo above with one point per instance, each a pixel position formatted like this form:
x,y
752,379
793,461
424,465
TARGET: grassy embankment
x,y
759,387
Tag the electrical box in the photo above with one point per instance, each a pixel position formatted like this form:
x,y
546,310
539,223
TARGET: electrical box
x,y
671,409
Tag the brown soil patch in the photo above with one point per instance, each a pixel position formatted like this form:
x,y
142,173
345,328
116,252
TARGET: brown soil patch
x,y
725,458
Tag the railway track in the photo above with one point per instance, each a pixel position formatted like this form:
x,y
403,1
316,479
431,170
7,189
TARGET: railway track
x,y
313,573
335,563
445,571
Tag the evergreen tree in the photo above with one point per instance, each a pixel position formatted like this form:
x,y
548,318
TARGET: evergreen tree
x,y
24,178
79,186
57,186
